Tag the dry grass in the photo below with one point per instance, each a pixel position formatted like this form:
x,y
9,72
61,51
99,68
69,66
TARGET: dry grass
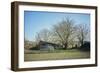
x,y
56,55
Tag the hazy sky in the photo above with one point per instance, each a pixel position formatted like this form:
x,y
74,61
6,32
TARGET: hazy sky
x,y
36,21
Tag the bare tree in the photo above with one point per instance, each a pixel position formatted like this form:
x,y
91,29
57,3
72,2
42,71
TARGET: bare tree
x,y
37,37
82,32
43,35
64,31
27,44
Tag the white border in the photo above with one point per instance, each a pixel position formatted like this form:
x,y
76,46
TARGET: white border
x,y
33,64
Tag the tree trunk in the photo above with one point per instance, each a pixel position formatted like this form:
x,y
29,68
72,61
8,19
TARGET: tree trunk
x,y
65,46
82,42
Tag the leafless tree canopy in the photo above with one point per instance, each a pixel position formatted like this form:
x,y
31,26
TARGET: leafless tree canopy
x,y
43,35
82,31
64,31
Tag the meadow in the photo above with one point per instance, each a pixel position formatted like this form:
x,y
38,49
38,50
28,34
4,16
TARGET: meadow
x,y
37,55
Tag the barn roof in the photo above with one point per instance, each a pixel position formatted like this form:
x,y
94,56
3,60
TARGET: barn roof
x,y
44,42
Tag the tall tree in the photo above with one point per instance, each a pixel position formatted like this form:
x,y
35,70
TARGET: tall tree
x,y
43,35
64,30
82,32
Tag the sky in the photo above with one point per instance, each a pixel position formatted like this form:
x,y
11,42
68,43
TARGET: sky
x,y
35,21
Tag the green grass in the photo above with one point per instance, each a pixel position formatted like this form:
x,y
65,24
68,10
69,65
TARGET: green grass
x,y
55,55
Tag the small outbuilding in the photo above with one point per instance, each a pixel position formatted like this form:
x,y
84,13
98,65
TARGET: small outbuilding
x,y
42,45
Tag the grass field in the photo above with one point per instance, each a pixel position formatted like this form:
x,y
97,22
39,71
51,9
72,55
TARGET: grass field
x,y
55,55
